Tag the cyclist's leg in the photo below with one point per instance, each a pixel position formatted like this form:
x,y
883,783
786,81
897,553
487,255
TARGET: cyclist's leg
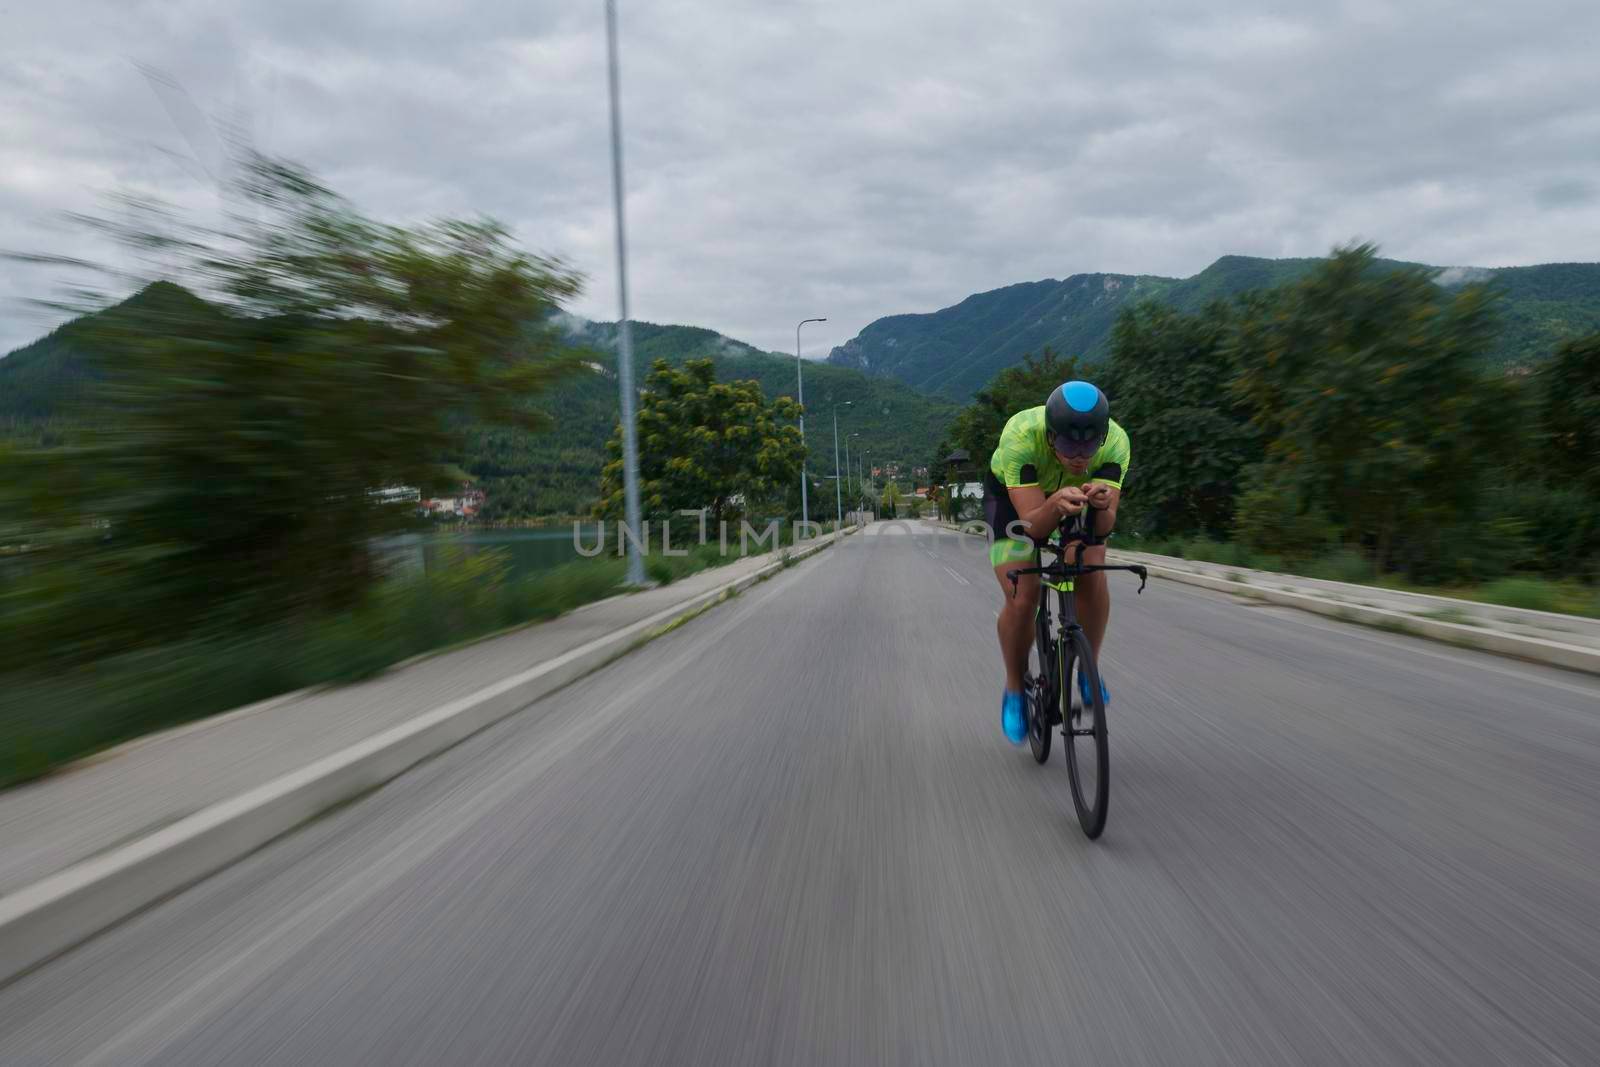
x,y
1015,626
1094,599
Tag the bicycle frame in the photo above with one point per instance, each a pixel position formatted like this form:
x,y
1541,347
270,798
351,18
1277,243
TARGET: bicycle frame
x,y
1050,704
1061,577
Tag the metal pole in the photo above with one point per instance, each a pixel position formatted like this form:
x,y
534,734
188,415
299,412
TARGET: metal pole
x,y
630,448
800,388
838,493
847,468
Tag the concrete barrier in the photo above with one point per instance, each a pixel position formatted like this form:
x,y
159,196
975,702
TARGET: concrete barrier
x,y
1519,646
1483,638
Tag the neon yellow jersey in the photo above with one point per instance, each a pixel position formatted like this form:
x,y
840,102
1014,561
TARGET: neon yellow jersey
x,y
1024,456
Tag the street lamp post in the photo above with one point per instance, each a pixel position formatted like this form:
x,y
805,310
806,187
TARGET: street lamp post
x,y
630,448
838,491
866,472
850,467
800,386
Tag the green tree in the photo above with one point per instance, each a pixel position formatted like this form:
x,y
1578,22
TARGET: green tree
x,y
1168,381
1569,415
890,500
228,470
1369,389
706,444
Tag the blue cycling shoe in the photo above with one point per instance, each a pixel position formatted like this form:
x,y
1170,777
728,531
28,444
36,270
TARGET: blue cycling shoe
x,y
1013,717
1083,689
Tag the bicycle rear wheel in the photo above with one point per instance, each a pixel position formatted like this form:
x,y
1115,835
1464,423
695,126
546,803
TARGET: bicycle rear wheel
x,y
1088,752
1041,689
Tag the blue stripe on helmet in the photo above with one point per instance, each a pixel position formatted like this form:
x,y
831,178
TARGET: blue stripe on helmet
x,y
1080,396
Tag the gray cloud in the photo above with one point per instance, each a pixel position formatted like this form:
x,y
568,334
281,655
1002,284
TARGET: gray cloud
x,y
1566,193
839,158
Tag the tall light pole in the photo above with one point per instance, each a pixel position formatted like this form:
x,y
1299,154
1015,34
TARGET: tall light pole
x,y
848,469
800,386
838,491
852,469
630,447
866,472
861,489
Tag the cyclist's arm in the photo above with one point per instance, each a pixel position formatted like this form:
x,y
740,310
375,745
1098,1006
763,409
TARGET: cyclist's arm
x,y
1041,514
1103,499
1104,487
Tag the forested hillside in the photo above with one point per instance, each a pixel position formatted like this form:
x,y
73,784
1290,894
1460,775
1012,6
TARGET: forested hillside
x,y
43,387
953,352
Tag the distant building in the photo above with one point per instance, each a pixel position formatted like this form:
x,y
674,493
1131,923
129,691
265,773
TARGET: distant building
x,y
465,506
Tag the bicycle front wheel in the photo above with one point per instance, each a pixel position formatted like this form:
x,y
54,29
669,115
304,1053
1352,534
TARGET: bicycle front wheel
x,y
1088,753
1041,689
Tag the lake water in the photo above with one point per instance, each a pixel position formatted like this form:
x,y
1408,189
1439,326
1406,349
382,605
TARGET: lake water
x,y
529,551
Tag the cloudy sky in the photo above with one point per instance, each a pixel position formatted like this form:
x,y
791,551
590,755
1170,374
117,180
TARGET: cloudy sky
x,y
837,157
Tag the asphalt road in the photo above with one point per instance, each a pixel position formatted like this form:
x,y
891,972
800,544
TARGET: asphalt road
x,y
791,832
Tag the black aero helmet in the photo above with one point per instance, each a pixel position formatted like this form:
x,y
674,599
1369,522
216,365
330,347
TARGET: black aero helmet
x,y
1075,418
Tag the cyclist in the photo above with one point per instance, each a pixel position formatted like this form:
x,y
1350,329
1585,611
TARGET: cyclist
x,y
1064,458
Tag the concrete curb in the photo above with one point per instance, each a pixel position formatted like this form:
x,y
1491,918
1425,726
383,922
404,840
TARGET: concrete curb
x,y
1532,649
1537,650
51,915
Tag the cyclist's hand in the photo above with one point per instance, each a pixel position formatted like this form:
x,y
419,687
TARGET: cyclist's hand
x,y
1068,500
1098,495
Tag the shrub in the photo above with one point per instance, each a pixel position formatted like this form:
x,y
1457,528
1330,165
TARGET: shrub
x,y
48,717
1227,553
1272,518
1531,593
1344,564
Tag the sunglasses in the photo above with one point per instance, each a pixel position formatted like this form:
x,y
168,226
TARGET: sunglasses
x,y
1075,444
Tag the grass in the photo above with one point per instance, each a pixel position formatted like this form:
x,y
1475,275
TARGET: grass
x,y
1566,597
1451,615
50,717
1530,593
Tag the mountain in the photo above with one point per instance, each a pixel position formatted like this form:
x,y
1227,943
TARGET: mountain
x,y
556,473
955,351
523,474
40,380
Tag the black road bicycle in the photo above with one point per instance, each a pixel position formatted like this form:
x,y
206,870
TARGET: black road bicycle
x,y
1051,682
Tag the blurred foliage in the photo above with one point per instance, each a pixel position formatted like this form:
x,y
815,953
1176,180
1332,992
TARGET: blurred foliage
x,y
223,476
528,475
1369,389
1273,516
48,717
704,444
1568,389
1167,380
